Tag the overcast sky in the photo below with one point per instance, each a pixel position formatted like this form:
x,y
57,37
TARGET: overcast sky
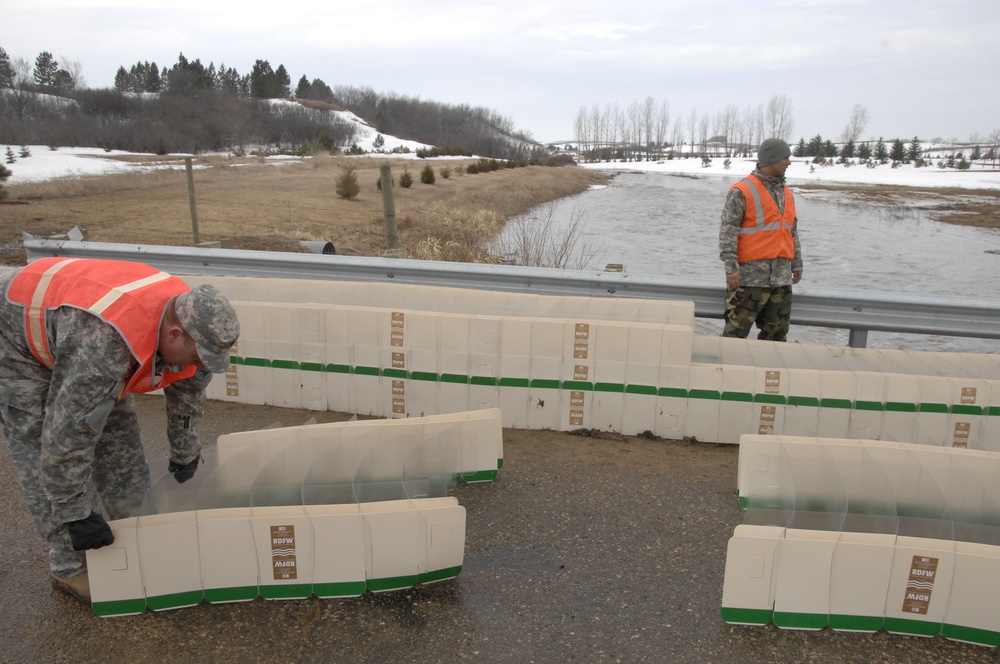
x,y
921,68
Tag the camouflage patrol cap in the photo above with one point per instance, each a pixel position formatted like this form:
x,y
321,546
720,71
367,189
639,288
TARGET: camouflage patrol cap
x,y
206,315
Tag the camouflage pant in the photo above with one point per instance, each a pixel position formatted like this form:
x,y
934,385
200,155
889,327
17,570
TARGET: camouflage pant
x,y
119,473
769,308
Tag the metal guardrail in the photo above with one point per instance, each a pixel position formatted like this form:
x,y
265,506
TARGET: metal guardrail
x,y
857,311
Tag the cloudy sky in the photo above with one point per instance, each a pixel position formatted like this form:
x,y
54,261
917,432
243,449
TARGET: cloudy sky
x,y
920,68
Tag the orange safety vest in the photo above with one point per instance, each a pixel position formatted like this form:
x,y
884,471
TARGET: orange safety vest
x,y
129,297
765,233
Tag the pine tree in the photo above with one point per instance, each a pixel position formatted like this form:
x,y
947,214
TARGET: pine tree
x,y
800,149
10,156
898,152
6,70
4,174
347,184
46,69
406,179
881,153
427,174
915,153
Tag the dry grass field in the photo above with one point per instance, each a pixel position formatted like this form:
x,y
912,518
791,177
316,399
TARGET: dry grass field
x,y
265,206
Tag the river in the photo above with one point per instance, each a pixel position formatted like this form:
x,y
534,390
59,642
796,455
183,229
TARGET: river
x,y
668,225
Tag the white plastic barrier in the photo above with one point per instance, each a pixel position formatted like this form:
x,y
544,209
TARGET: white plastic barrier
x,y
330,510
864,535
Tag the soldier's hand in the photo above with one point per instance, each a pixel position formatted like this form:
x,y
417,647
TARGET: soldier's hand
x,y
184,472
90,533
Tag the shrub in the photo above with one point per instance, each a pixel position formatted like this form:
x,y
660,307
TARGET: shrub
x,y
347,184
427,174
405,179
446,172
4,174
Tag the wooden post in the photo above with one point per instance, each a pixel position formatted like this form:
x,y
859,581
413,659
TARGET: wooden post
x,y
191,199
389,213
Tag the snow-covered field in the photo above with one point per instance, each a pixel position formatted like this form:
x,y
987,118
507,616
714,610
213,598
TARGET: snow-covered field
x,y
47,164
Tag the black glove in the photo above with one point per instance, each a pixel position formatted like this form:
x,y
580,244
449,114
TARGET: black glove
x,y
184,472
90,533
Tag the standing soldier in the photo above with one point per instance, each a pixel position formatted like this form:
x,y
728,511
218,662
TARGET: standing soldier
x,y
78,338
759,247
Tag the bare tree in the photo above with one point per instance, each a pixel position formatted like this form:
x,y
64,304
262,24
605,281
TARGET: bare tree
x,y
779,120
662,122
73,70
648,119
692,127
856,125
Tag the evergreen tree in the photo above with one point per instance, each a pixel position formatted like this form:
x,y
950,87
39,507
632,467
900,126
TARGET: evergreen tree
x,y
152,82
848,150
800,149
282,83
6,70
881,153
347,184
427,174
829,149
4,174
815,146
865,151
898,152
123,82
915,153
303,90
45,70
260,80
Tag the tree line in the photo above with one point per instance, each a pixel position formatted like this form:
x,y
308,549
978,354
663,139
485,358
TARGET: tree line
x,y
190,107
643,131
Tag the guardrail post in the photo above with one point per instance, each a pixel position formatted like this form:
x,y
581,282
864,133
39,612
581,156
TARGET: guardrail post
x,y
857,338
191,200
389,207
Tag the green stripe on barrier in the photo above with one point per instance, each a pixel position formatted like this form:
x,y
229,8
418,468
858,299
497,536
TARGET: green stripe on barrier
x,y
746,616
427,376
962,409
290,591
392,583
983,637
235,594
175,600
544,383
514,382
121,607
343,589
835,403
439,575
620,388
803,401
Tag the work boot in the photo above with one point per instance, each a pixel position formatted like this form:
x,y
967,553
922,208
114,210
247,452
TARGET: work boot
x,y
76,586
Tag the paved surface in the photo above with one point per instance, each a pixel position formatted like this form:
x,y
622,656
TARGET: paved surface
x,y
584,550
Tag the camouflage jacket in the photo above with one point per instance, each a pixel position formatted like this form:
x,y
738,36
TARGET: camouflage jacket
x,y
772,272
92,364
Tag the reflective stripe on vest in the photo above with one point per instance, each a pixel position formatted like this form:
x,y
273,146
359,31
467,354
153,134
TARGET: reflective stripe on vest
x,y
107,289
766,231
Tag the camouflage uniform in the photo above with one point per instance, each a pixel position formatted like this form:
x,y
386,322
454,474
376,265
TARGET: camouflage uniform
x,y
75,447
765,293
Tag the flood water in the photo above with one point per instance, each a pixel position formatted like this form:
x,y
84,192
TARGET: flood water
x,y
668,226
